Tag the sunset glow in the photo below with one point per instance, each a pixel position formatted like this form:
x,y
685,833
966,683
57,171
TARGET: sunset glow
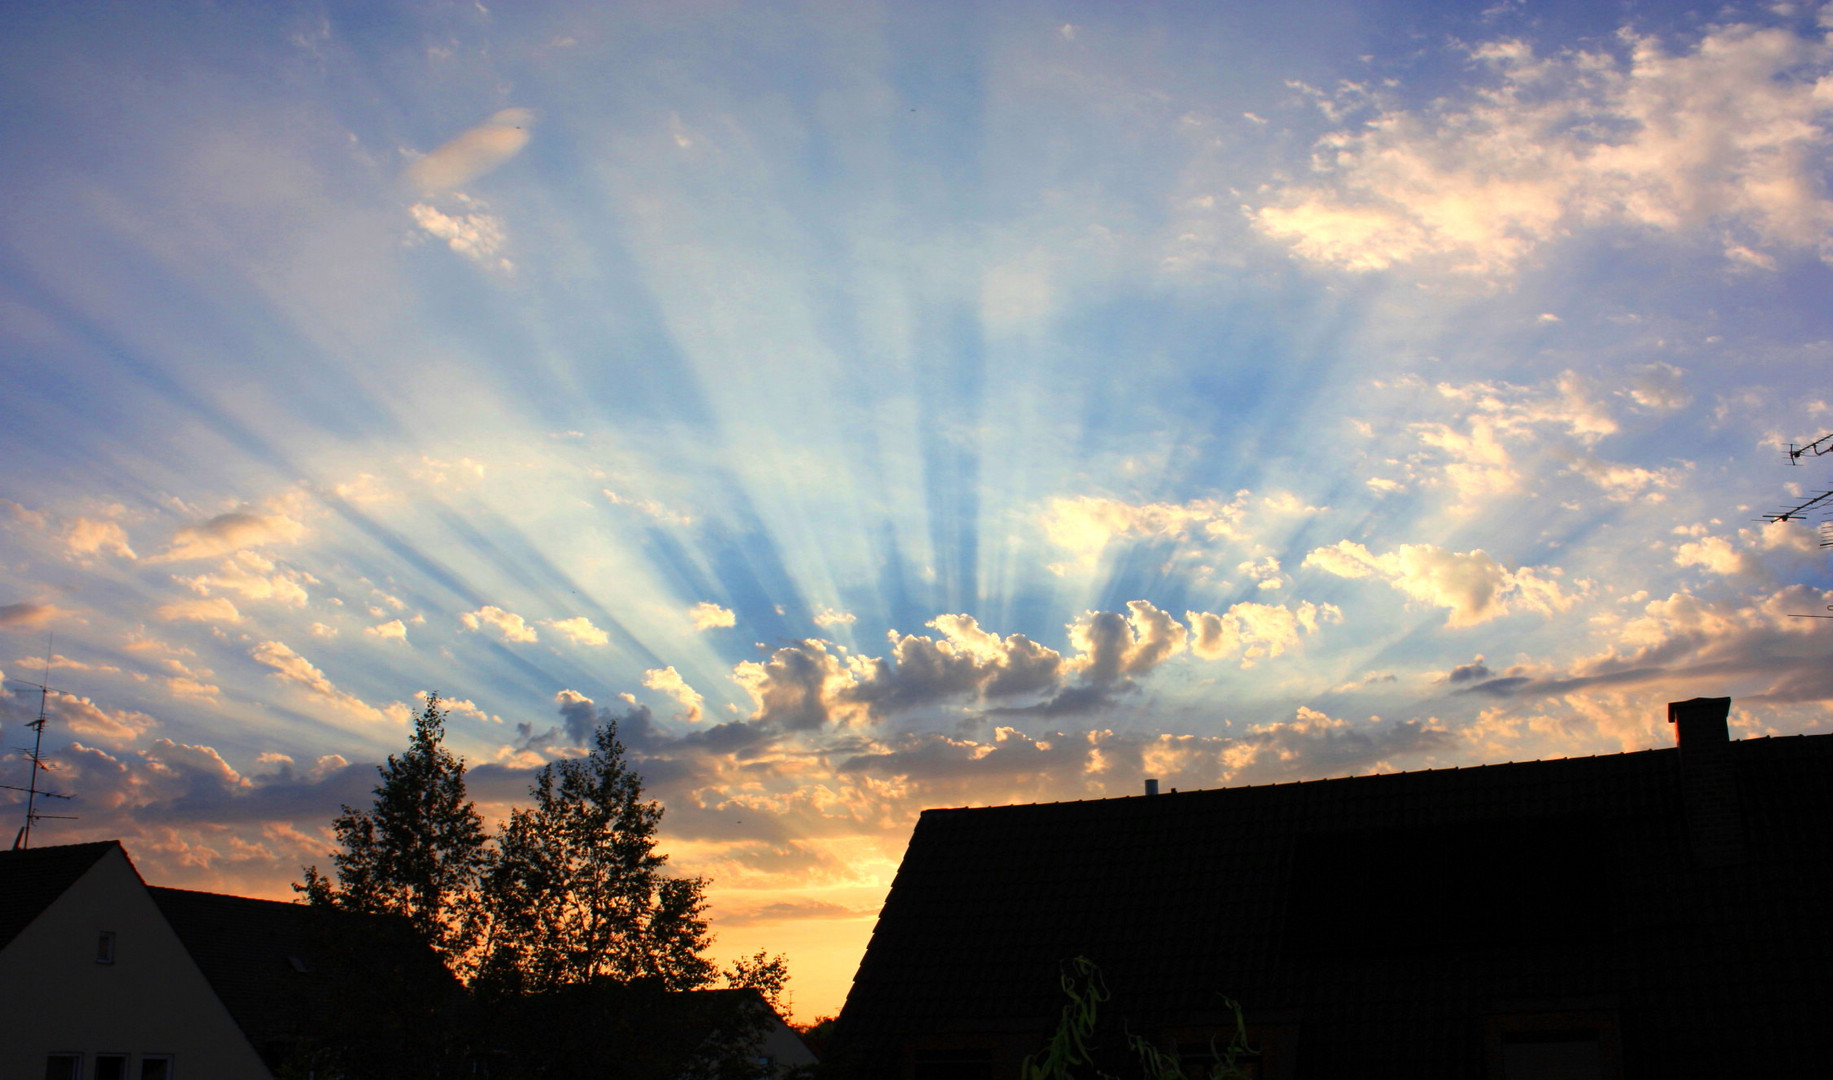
x,y
887,406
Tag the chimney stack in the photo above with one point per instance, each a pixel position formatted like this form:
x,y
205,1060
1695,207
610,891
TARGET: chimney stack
x,y
1151,787
1700,722
1708,782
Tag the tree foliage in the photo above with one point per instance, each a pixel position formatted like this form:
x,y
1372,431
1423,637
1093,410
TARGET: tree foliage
x,y
575,891
418,851
768,975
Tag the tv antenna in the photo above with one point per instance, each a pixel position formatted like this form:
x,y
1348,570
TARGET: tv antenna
x,y
1823,502
35,756
1822,445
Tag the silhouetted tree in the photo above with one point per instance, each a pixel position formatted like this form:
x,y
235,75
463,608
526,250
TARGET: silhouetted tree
x,y
768,975
575,893
418,851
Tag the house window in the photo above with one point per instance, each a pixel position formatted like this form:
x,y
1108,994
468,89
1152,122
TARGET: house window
x,y
1555,1046
105,947
156,1067
64,1067
1552,1055
111,1067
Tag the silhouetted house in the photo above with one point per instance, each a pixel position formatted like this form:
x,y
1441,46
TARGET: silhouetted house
x,y
610,1031
105,978
1666,913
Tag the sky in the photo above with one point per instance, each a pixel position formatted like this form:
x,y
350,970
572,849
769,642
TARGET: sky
x,y
875,407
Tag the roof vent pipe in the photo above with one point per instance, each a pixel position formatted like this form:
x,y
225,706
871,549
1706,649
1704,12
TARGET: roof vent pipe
x,y
1151,787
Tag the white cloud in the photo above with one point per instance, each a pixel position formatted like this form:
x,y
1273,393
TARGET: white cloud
x,y
215,609
252,576
88,537
392,630
669,681
1254,631
472,154
511,626
707,615
1503,438
87,720
231,532
1725,137
293,668
650,507
1471,585
470,231
829,617
580,631
1085,525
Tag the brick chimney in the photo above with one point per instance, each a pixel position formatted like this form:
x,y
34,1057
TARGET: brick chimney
x,y
1715,824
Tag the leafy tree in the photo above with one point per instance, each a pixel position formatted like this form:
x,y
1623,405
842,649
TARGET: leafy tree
x,y
575,892
768,975
418,851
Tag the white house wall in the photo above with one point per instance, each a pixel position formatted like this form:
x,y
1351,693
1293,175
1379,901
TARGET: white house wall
x,y
55,997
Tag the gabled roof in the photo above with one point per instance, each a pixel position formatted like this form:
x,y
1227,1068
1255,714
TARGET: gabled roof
x,y
1384,908
32,879
289,971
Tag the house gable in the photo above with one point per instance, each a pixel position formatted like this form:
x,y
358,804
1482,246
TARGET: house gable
x,y
57,995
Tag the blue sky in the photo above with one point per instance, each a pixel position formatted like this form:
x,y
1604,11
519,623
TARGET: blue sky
x,y
890,406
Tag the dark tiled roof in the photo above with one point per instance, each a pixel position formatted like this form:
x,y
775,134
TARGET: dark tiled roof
x,y
1386,913
292,973
32,879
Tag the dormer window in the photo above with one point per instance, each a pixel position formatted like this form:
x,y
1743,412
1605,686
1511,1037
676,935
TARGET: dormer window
x,y
105,947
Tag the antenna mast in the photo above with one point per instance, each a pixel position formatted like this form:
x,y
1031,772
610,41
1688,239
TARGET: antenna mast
x,y
36,757
1823,502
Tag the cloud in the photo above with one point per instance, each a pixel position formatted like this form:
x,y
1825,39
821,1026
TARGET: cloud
x,y
650,507
1115,646
1724,139
293,668
829,617
1471,585
460,707
89,537
1086,524
470,231
669,681
87,720
707,616
800,687
1502,438
25,616
580,631
392,630
252,576
215,609
1680,646
790,910
226,533
1095,763
508,624
962,661
472,154
1475,671
1254,631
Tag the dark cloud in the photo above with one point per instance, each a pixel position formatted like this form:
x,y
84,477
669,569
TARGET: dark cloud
x,y
25,614
1474,671
1508,687
788,910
